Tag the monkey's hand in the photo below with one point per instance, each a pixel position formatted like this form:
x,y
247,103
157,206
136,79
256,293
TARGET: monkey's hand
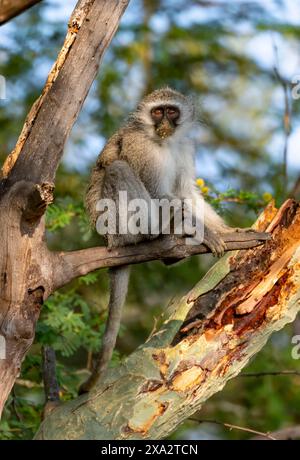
x,y
214,242
211,239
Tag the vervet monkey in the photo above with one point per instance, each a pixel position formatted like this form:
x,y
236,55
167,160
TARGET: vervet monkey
x,y
150,157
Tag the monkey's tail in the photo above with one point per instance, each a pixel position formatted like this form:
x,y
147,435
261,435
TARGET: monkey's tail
x,y
119,279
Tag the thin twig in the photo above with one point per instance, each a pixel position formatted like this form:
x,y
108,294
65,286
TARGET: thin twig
x,y
14,406
155,324
264,374
236,427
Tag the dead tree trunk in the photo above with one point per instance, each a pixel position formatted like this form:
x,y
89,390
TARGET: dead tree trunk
x,y
207,338
27,268
11,8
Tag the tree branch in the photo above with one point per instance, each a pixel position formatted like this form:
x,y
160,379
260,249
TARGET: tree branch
x,y
179,367
12,8
70,265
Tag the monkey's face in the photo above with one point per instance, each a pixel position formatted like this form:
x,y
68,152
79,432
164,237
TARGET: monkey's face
x,y
165,119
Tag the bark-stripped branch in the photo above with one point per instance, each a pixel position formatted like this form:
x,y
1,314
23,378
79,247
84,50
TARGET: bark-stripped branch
x,y
12,8
208,337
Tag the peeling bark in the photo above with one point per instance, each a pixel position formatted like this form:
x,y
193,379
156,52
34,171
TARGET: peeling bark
x,y
205,341
24,281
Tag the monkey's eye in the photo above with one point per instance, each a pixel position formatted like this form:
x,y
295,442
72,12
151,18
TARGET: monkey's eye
x,y
157,112
173,113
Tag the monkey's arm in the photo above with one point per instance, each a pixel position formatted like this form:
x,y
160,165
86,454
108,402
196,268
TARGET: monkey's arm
x,y
109,154
204,214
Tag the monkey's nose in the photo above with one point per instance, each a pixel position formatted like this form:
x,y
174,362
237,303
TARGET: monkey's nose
x,y
164,129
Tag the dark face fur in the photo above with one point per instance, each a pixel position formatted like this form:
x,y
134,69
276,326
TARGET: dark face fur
x,y
165,118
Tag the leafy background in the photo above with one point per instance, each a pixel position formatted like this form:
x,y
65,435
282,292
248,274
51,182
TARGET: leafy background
x,y
224,54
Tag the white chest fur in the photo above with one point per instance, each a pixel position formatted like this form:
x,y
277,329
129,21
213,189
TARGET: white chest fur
x,y
172,161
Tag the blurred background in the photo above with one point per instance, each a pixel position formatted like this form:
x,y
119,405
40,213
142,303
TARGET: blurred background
x,y
239,60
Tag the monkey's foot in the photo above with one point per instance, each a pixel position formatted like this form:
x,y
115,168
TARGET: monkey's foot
x,y
215,243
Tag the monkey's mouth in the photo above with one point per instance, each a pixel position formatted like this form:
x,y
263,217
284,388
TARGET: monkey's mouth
x,y
164,130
